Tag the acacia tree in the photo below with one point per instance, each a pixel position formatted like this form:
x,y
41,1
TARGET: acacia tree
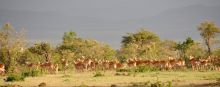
x,y
94,49
168,48
42,49
140,38
130,51
69,37
208,31
143,44
196,50
11,46
67,48
84,47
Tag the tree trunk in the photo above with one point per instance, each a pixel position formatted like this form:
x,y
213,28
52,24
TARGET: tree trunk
x,y
47,56
186,59
208,46
10,62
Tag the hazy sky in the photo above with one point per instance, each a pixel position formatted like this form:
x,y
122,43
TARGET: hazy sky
x,y
108,20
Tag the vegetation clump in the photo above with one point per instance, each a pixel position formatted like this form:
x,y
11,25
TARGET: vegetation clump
x,y
98,74
15,77
43,84
66,76
137,46
31,73
149,84
143,69
139,69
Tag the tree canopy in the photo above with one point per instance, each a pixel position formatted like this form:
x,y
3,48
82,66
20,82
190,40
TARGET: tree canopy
x,y
208,31
139,38
184,46
11,46
42,49
85,47
142,44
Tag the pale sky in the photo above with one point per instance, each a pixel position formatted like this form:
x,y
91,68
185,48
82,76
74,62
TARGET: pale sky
x,y
108,20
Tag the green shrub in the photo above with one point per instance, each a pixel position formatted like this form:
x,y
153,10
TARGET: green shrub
x,y
139,69
139,84
15,77
66,80
123,70
66,76
122,74
98,74
149,84
146,69
32,73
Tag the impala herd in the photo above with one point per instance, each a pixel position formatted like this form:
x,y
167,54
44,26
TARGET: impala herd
x,y
87,64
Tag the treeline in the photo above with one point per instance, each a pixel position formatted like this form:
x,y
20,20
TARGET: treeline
x,y
144,44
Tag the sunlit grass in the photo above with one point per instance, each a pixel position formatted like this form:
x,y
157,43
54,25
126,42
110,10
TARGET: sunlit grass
x,y
109,78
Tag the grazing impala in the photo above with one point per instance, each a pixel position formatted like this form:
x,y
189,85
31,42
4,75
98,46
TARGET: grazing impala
x,y
52,68
194,63
32,65
64,62
2,69
87,63
131,63
79,66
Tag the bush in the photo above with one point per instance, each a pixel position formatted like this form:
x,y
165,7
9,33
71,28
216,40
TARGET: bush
x,y
122,74
66,76
15,77
140,84
66,80
146,69
98,74
32,73
123,70
139,69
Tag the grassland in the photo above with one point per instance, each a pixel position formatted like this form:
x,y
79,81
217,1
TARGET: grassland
x,y
179,79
